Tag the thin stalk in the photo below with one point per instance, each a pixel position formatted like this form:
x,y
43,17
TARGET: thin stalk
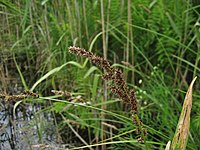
x,y
59,138
47,34
76,133
105,82
103,31
141,130
85,21
79,23
131,38
107,23
70,18
183,40
197,33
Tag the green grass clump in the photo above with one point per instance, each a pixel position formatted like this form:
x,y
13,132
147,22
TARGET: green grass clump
x,y
154,43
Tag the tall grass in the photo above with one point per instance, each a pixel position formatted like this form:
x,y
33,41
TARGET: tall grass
x,y
156,44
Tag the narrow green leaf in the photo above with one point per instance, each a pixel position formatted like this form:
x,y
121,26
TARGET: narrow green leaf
x,y
20,73
95,86
55,70
91,46
92,69
15,106
173,24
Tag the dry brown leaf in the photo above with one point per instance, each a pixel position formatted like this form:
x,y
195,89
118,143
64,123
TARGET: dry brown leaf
x,y
168,145
180,137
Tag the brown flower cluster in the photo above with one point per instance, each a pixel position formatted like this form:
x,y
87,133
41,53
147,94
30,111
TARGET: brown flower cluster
x,y
118,85
21,96
67,95
63,93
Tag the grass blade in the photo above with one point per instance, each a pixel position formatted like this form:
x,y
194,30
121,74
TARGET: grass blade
x,y
54,71
90,71
21,75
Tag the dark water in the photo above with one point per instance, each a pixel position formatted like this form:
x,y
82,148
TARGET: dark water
x,y
27,128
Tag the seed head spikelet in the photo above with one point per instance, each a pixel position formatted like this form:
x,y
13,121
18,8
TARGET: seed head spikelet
x,y
118,85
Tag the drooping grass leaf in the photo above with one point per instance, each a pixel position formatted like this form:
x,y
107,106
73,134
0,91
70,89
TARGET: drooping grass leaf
x,y
55,70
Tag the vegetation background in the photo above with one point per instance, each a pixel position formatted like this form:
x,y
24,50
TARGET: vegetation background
x,y
156,43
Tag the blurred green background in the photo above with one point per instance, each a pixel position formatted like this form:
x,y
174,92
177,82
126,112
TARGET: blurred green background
x,y
156,43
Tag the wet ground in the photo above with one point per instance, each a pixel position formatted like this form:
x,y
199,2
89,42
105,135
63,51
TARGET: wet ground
x,y
28,127
25,129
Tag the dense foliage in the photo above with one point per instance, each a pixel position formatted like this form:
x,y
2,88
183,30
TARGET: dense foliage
x,y
155,43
